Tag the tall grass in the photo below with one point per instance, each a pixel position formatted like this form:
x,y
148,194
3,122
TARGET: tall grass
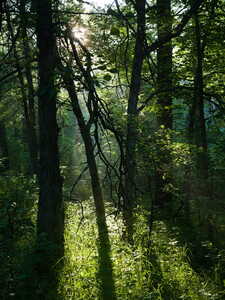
x,y
162,272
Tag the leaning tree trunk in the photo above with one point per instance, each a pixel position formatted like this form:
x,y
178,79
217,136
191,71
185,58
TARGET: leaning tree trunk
x,y
50,222
105,273
132,121
164,90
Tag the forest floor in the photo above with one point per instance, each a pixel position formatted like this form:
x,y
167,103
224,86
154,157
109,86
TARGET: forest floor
x,y
165,272
171,263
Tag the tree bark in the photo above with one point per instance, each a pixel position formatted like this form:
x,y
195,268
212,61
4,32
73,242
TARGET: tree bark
x,y
199,130
31,118
4,152
27,100
132,120
164,87
50,221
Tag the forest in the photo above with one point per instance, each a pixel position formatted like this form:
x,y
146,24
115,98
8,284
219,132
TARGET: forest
x,y
112,149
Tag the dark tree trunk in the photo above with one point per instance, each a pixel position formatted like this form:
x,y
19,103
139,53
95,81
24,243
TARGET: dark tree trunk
x,y
30,109
164,88
50,222
4,153
28,100
164,64
199,128
105,273
132,120
197,131
30,132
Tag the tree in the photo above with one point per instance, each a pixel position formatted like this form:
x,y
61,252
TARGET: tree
x,y
50,222
105,273
29,102
164,101
4,152
25,81
197,125
132,118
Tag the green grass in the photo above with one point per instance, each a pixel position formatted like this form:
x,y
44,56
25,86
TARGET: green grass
x,y
165,273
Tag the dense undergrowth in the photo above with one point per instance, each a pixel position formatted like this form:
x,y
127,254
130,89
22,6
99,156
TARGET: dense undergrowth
x,y
18,199
164,272
158,266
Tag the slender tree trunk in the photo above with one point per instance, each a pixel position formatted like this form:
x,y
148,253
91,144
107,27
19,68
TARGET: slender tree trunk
x,y
197,132
105,273
50,222
164,64
28,101
105,264
4,152
30,131
31,119
132,120
164,87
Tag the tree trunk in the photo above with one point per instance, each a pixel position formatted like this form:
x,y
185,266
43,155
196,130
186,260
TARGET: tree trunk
x,y
105,273
104,250
197,130
4,152
50,222
31,119
28,101
164,87
132,120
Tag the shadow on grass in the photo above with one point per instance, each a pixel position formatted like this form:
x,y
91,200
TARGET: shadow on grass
x,y
204,252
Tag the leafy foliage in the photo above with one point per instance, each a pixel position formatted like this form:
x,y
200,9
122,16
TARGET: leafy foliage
x,y
162,271
17,231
